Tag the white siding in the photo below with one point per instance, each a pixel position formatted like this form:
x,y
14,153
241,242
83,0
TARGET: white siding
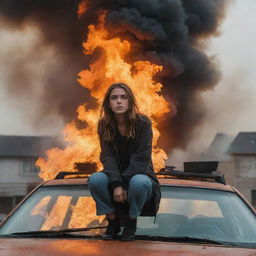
x,y
12,179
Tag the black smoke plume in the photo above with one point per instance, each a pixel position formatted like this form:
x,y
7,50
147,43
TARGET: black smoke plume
x,y
166,32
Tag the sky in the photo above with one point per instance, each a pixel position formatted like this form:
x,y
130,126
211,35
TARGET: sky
x,y
231,105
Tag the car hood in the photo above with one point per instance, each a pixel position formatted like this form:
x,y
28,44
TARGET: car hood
x,y
77,247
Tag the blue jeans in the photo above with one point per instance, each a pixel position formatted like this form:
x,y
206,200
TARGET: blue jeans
x,y
139,192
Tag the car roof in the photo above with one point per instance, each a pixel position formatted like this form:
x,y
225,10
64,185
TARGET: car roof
x,y
195,183
163,182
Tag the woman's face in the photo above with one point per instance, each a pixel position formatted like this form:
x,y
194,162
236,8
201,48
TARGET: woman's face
x,y
118,101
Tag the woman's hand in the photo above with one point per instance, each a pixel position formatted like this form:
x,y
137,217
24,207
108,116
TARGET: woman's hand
x,y
120,195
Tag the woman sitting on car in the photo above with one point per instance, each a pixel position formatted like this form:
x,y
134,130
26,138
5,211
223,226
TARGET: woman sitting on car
x,y
127,187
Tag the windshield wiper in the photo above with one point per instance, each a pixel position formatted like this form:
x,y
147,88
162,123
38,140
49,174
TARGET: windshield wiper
x,y
53,233
180,239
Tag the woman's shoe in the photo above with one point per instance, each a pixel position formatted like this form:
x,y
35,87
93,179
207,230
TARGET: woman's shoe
x,y
113,229
128,233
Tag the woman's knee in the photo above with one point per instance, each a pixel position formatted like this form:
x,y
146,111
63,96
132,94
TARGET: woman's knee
x,y
140,182
98,179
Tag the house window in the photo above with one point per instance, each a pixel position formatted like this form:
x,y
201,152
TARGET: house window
x,y
253,197
29,167
7,203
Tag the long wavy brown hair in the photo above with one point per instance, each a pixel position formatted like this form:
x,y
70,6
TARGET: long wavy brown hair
x,y
107,124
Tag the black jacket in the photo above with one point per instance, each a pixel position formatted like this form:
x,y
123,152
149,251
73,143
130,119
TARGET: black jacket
x,y
139,151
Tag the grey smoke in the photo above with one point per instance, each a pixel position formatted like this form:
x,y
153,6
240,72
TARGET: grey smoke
x,y
131,21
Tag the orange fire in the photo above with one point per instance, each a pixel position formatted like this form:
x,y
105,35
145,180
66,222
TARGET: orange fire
x,y
82,7
110,67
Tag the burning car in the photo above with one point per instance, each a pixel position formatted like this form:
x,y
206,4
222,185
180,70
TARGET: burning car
x,y
199,215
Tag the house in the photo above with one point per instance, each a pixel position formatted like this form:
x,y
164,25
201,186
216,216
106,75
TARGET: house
x,y
18,173
243,158
237,161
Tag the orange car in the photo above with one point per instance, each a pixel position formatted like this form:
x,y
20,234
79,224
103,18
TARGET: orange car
x,y
199,215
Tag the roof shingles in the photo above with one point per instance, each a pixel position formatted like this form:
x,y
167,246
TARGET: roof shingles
x,y
26,146
244,143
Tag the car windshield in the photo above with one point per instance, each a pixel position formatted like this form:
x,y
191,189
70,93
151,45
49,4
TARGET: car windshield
x,y
184,212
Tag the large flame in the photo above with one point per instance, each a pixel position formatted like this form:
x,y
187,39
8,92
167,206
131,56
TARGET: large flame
x,y
110,67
